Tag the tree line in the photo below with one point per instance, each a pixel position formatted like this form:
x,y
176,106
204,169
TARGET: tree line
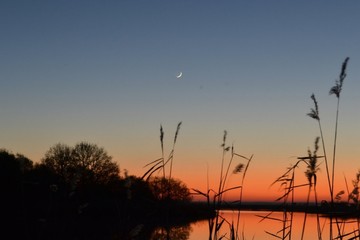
x,y
72,187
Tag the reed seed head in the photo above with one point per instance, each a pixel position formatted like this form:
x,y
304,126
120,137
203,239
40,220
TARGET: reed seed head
x,y
343,68
177,131
338,196
314,112
312,166
162,137
358,176
339,82
161,133
238,168
336,89
316,144
224,138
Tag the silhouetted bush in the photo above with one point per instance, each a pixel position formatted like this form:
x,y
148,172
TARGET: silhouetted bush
x,y
169,189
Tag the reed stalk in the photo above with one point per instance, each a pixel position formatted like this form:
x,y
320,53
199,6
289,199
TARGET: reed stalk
x,y
336,90
312,168
287,182
160,163
162,149
314,113
173,148
238,169
219,194
215,198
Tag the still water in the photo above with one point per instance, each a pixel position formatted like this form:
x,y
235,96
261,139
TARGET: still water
x,y
251,226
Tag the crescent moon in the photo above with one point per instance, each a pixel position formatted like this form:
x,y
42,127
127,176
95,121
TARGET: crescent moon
x,y
179,76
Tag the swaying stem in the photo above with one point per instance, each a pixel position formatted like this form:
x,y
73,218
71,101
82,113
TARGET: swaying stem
x,y
314,113
219,197
337,90
333,169
285,216
242,187
334,150
162,149
311,176
292,202
307,204
326,163
222,160
317,214
173,148
228,168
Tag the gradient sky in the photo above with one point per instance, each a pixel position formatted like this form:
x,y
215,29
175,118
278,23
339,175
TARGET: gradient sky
x,y
105,72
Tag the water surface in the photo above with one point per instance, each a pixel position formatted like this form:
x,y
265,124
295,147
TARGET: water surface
x,y
252,227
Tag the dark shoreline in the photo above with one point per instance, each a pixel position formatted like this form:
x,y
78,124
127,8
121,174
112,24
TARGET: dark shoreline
x,y
338,210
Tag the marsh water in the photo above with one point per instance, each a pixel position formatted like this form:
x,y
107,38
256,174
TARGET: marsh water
x,y
251,227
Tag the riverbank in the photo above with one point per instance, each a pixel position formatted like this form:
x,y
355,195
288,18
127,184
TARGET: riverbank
x,y
341,209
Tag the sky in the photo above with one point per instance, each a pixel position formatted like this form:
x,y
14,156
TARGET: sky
x,y
105,72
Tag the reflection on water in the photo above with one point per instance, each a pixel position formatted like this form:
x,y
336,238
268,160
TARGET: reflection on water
x,y
167,233
251,226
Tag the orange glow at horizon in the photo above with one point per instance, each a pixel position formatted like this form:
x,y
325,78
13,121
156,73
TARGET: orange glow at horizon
x,y
258,182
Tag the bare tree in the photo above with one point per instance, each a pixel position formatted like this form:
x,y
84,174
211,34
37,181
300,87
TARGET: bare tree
x,y
83,163
59,159
93,161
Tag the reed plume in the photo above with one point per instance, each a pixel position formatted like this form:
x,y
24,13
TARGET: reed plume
x,y
238,168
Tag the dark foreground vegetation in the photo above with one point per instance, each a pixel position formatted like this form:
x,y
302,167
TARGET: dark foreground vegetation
x,y
77,193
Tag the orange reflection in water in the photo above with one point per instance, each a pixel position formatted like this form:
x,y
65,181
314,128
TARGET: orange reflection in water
x,y
251,226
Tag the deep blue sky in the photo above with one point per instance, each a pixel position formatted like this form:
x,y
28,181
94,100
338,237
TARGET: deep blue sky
x,y
104,72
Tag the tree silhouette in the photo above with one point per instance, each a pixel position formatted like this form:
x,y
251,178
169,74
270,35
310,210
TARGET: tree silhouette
x,y
82,164
12,171
59,159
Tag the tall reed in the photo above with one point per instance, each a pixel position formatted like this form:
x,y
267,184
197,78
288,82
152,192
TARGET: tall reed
x,y
288,178
171,157
336,90
310,173
215,199
314,113
238,169
287,184
160,163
